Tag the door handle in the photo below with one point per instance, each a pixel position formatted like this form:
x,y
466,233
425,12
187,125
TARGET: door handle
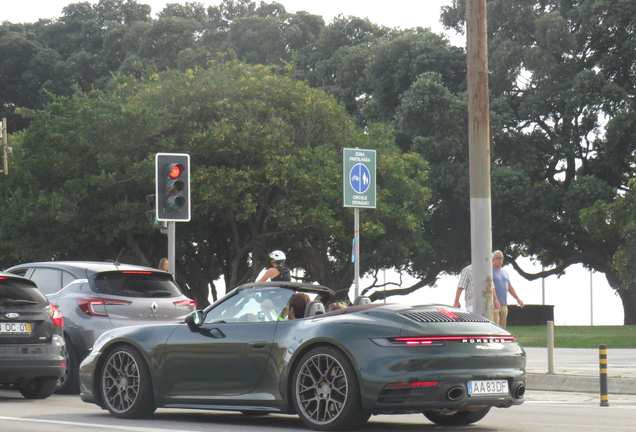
x,y
258,344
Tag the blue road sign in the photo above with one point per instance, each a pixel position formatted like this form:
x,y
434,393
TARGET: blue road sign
x,y
360,178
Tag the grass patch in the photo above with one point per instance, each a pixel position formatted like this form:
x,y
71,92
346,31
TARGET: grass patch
x,y
576,336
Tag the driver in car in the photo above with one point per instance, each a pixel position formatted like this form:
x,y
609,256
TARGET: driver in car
x,y
297,303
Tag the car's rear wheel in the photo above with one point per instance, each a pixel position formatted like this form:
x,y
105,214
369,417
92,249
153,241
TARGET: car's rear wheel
x,y
69,383
325,391
455,418
38,388
125,384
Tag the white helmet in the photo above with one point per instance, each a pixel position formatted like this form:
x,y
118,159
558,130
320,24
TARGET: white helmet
x,y
278,255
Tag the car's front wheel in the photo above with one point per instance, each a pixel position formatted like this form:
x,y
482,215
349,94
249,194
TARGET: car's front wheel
x,y
38,388
455,418
126,385
325,391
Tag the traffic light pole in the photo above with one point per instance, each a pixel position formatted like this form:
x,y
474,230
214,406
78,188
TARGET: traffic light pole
x,y
171,247
172,196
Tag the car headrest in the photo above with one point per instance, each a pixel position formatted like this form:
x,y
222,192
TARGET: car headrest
x,y
313,308
361,300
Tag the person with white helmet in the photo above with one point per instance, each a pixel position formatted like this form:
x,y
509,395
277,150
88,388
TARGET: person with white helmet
x,y
278,272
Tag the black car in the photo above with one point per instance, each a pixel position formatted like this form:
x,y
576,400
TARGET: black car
x,y
98,296
32,349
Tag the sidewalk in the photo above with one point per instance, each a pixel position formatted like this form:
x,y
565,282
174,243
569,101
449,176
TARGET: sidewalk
x,y
577,370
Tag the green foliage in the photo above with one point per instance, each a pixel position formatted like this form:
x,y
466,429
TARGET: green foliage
x,y
562,122
563,146
266,174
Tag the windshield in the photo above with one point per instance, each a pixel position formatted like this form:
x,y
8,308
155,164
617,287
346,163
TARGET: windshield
x,y
135,284
252,305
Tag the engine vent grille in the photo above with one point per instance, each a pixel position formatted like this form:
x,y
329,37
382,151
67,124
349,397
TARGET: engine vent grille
x,y
445,316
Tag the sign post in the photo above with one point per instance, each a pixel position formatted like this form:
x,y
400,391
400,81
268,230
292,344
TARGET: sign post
x,y
358,191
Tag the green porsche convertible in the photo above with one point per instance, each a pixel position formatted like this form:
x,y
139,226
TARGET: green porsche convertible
x,y
335,369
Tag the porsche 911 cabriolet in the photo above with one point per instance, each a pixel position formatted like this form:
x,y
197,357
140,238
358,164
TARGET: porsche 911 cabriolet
x,y
333,369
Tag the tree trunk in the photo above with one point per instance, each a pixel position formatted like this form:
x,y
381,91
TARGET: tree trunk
x,y
627,293
629,305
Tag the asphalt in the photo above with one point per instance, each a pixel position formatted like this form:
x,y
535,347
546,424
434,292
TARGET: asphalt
x,y
577,370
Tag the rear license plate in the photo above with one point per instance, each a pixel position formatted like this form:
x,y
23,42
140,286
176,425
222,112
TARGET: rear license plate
x,y
493,387
15,327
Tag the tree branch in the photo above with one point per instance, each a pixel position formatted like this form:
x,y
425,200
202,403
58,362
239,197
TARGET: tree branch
x,y
380,295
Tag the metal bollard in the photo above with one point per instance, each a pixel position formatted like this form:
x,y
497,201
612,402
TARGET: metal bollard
x,y
602,362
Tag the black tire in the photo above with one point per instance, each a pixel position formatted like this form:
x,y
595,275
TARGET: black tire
x,y
455,418
125,384
69,383
38,388
325,391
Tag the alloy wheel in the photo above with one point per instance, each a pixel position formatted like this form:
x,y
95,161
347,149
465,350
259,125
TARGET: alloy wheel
x,y
321,388
120,381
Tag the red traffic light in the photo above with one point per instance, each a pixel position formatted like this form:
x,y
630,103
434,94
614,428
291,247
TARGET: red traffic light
x,y
174,170
172,187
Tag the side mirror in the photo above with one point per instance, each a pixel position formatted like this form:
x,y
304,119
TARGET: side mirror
x,y
194,320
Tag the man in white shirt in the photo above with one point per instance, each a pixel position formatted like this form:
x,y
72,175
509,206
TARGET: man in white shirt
x,y
466,284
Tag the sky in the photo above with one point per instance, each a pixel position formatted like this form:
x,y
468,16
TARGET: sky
x,y
578,299
397,13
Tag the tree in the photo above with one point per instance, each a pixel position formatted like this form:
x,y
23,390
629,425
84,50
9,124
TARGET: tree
x,y
562,91
266,174
397,63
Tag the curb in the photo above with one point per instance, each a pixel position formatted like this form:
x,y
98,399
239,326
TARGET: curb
x,y
577,383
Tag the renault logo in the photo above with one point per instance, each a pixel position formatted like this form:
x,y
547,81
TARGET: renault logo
x,y
12,315
154,306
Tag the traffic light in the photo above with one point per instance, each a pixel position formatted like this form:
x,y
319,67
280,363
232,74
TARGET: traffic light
x,y
172,187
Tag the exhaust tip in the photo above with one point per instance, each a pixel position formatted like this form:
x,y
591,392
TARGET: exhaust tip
x,y
520,391
455,394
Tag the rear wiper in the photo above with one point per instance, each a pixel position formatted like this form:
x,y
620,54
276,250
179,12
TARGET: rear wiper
x,y
19,302
158,293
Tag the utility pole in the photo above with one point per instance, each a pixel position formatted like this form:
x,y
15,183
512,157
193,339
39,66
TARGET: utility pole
x,y
479,156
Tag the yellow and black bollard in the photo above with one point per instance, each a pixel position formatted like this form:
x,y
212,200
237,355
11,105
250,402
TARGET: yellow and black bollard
x,y
602,362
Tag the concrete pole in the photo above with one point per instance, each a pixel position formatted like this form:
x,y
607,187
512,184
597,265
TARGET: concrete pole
x,y
550,330
479,156
591,300
543,287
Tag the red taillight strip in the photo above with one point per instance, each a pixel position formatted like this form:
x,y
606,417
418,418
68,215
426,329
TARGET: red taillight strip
x,y
136,272
412,384
423,340
185,303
